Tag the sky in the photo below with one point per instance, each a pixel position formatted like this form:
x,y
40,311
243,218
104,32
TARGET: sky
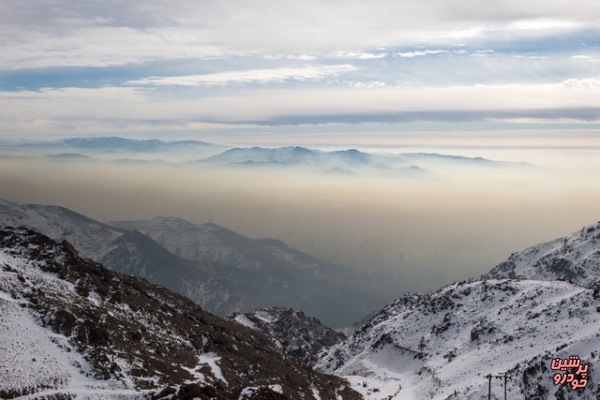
x,y
220,68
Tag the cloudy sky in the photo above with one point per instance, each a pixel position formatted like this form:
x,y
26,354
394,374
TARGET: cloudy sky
x,y
171,68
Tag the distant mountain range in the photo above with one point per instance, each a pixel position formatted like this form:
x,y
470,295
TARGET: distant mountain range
x,y
117,144
215,267
349,162
110,149
70,328
198,154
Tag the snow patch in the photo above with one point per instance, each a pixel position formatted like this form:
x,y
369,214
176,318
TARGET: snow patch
x,y
242,319
211,360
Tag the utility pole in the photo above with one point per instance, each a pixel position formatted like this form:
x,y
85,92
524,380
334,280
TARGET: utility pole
x,y
489,377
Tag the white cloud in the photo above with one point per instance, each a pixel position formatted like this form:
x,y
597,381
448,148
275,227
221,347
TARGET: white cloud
x,y
302,57
102,46
542,24
581,84
359,55
44,33
248,76
109,109
411,54
366,85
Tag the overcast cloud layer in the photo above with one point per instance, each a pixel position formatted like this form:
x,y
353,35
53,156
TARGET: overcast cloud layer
x,y
75,68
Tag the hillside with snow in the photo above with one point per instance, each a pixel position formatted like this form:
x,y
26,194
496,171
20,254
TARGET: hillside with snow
x,y
442,345
541,305
71,328
574,258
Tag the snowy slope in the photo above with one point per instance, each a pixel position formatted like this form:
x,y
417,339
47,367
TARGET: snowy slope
x,y
442,345
92,238
129,252
574,258
37,360
70,328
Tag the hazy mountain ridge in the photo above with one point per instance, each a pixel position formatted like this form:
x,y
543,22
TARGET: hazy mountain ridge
x,y
114,143
261,273
282,267
295,333
575,258
72,328
111,149
351,160
197,154
211,242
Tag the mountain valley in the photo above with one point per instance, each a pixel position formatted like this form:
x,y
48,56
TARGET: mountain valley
x,y
539,306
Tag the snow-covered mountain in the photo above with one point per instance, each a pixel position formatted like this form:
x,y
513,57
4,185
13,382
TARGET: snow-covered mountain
x,y
574,258
71,328
541,305
227,273
442,345
294,332
125,251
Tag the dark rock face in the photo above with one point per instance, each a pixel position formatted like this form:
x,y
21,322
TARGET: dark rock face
x,y
140,334
297,334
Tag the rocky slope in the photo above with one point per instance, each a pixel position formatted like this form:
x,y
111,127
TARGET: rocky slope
x,y
294,332
574,258
442,345
71,328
